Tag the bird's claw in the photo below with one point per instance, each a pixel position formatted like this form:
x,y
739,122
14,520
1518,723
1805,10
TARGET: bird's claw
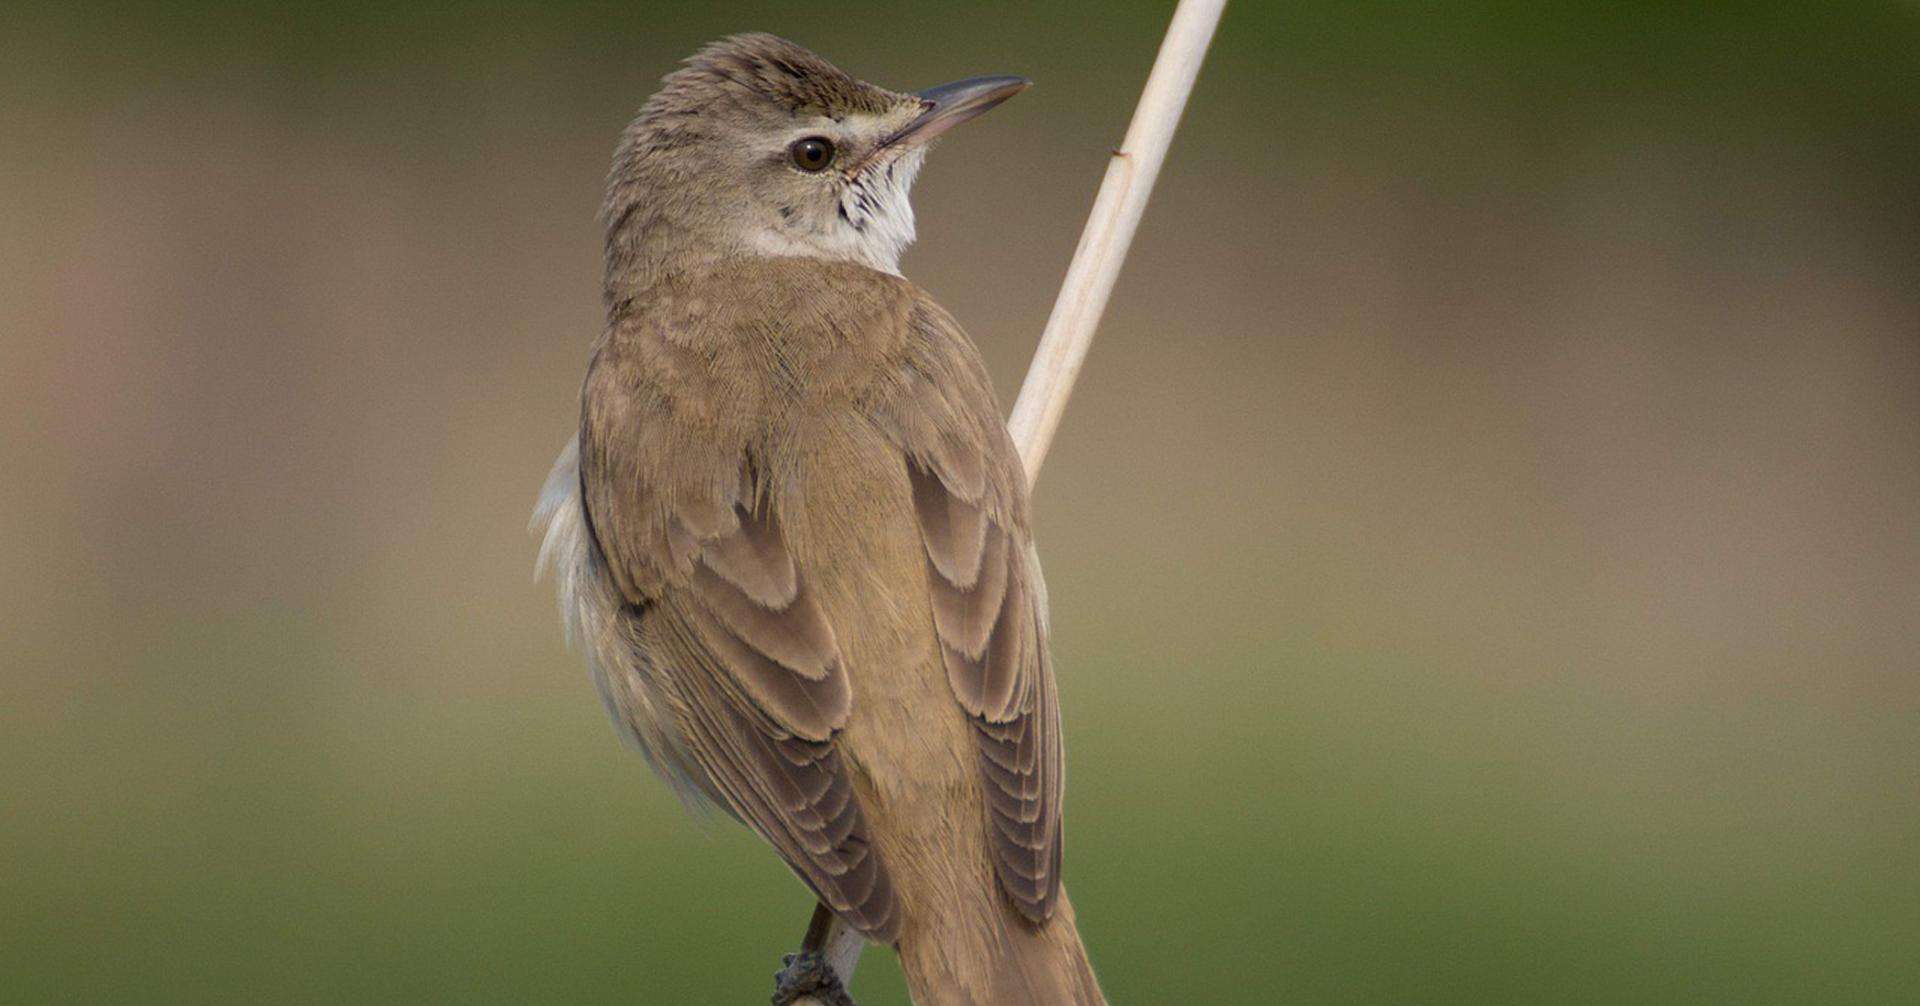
x,y
808,974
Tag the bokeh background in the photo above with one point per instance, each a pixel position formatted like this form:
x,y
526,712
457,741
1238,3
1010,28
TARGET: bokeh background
x,y
1485,546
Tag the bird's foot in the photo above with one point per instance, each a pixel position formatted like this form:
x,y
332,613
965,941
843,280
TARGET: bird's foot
x,y
808,974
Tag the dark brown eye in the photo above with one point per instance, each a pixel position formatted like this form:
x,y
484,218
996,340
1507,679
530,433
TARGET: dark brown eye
x,y
812,154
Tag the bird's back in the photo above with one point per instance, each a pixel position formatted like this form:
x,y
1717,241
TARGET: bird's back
x,y
828,397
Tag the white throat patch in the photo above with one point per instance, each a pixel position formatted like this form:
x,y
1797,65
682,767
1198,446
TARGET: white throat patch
x,y
873,224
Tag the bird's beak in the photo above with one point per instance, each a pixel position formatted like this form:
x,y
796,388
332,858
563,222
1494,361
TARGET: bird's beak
x,y
949,105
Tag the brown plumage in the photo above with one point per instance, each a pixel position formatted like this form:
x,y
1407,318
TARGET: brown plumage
x,y
793,531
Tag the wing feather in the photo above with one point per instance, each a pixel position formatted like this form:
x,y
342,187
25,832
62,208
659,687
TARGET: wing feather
x,y
717,598
969,496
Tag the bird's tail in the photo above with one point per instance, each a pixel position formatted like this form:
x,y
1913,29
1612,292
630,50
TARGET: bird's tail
x,y
1023,963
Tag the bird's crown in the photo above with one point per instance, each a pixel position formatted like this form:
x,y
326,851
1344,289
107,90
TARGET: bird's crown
x,y
756,65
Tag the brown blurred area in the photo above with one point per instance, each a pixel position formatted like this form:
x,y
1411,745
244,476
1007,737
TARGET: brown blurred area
x,y
1485,544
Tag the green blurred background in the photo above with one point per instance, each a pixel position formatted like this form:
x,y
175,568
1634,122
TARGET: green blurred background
x,y
1485,547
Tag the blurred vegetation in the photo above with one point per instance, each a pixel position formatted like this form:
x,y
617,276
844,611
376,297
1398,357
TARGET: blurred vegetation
x,y
1485,553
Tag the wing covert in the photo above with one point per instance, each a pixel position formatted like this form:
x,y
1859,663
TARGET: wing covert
x,y
969,495
712,591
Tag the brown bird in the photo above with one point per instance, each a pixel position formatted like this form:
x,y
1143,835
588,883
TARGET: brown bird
x,y
792,535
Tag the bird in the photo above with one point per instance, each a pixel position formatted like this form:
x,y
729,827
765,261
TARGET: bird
x,y
792,534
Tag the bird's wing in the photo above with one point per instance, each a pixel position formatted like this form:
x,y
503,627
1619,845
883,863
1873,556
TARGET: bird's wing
x,y
700,559
970,498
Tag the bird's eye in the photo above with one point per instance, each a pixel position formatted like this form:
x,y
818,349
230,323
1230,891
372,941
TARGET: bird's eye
x,y
812,154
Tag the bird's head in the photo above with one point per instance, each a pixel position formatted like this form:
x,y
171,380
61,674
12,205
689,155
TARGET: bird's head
x,y
759,147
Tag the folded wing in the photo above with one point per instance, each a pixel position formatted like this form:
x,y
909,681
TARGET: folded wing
x,y
714,594
969,496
